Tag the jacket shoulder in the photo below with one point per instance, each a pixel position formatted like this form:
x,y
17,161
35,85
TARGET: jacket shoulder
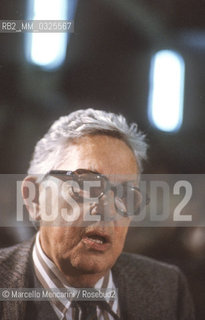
x,y
138,264
18,250
14,262
145,272
161,288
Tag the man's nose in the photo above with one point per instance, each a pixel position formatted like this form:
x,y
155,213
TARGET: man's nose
x,y
105,206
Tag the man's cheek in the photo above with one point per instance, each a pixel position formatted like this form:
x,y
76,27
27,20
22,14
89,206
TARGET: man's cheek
x,y
49,202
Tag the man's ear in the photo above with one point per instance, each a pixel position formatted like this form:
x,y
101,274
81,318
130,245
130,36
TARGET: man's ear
x,y
30,194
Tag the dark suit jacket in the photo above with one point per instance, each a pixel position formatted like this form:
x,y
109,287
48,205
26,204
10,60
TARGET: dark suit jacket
x,y
148,290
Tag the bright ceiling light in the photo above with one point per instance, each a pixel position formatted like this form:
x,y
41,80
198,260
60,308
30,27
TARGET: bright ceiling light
x,y
165,109
48,50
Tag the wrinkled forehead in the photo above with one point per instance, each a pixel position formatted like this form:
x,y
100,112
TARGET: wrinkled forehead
x,y
106,155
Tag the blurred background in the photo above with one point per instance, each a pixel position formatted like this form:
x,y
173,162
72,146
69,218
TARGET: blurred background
x,y
141,58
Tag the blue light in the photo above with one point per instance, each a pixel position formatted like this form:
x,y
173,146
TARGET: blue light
x,y
165,109
48,50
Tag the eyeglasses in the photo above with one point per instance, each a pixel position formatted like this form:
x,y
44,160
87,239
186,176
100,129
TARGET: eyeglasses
x,y
88,184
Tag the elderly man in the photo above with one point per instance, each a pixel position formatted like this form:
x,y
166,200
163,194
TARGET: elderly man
x,y
83,247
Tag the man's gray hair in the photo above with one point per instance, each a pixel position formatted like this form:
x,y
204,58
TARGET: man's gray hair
x,y
48,151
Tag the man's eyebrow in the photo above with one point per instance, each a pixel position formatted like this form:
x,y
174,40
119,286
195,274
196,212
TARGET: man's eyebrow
x,y
92,170
97,172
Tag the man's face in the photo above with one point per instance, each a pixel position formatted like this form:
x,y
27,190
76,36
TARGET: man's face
x,y
74,249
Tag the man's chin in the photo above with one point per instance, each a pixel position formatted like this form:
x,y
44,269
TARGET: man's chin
x,y
91,264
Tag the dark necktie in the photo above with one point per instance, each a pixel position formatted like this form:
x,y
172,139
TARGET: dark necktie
x,y
89,309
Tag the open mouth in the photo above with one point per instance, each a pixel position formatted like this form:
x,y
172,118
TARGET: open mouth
x,y
96,240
